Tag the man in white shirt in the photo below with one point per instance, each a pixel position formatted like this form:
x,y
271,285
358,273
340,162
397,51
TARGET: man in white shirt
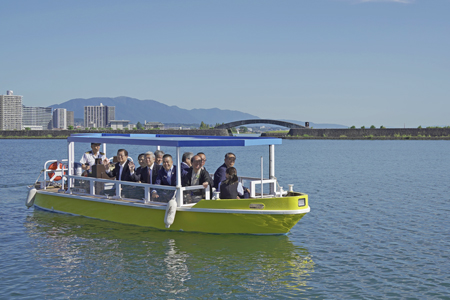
x,y
88,158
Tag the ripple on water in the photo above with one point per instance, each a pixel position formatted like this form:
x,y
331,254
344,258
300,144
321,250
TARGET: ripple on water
x,y
377,229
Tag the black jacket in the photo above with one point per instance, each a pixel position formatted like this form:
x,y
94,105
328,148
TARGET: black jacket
x,y
126,176
144,178
204,177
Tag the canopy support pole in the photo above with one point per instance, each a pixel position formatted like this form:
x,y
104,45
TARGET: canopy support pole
x,y
272,167
71,158
179,191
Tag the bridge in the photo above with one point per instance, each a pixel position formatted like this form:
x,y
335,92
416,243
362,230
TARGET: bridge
x,y
258,121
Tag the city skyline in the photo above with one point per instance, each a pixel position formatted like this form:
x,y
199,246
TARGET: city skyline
x,y
345,62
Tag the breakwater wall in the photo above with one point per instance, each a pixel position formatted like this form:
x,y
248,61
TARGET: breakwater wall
x,y
367,133
62,134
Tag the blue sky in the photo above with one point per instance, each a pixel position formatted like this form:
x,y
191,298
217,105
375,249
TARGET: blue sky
x,y
348,62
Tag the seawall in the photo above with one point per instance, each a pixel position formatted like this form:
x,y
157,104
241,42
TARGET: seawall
x,y
304,133
63,134
375,133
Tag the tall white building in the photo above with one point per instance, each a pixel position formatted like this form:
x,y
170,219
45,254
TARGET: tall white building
x,y
70,118
10,111
60,118
99,116
34,117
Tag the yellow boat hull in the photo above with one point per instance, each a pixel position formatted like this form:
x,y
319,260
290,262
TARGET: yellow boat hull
x,y
246,216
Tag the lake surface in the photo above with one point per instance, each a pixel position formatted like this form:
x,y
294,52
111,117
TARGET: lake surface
x,y
378,228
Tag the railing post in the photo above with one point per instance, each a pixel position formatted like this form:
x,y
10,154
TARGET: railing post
x,y
147,194
252,189
91,187
118,194
207,195
262,178
70,162
272,166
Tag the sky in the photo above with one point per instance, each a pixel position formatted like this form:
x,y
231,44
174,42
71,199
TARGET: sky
x,y
349,62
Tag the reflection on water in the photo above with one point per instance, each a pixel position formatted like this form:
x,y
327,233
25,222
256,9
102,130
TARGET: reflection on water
x,y
133,262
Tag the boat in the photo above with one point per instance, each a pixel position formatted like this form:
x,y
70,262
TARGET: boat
x,y
270,210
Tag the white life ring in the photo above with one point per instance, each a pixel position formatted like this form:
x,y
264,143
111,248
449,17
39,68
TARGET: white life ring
x,y
30,197
171,210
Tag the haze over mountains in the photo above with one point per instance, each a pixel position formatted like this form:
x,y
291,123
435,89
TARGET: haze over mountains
x,y
135,110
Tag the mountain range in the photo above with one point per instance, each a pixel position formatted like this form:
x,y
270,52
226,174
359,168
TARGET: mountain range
x,y
135,110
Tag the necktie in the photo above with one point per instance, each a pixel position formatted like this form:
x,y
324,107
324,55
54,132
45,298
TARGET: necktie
x,y
150,175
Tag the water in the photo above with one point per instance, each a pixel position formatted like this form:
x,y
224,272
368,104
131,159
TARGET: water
x,y
378,228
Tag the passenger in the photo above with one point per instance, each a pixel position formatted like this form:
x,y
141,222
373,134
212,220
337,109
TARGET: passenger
x,y
167,175
159,157
203,157
197,176
186,164
88,159
150,172
124,169
231,188
142,163
220,174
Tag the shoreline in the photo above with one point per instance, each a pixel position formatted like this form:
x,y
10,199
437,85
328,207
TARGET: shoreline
x,y
63,134
380,138
365,134
293,134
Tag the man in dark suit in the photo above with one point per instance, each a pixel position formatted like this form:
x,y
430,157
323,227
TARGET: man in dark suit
x,y
150,172
124,169
186,161
219,175
142,164
159,157
167,175
196,175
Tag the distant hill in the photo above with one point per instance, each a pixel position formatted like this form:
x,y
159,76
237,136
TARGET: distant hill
x,y
136,110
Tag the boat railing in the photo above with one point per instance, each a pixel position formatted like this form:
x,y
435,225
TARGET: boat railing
x,y
255,181
148,188
59,171
120,188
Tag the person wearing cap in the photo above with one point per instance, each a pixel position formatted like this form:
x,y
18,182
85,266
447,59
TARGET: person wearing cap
x,y
88,159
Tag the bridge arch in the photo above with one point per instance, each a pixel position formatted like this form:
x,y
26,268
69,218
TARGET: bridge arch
x,y
258,121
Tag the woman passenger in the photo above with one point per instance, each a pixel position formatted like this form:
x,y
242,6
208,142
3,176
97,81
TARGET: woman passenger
x,y
231,188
